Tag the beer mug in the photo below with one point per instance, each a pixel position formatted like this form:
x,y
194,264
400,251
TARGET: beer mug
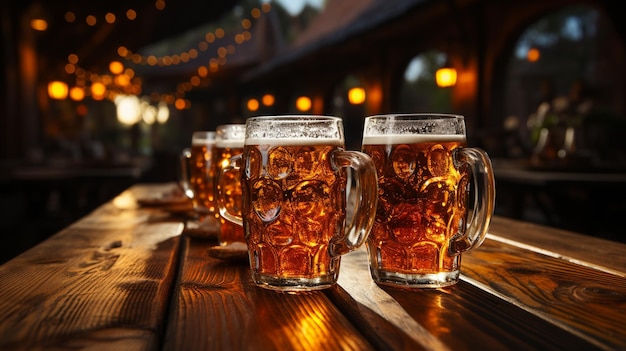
x,y
197,179
425,218
229,142
294,179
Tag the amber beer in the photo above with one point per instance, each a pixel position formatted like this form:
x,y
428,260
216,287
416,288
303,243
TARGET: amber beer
x,y
422,202
294,206
229,143
294,179
424,170
199,174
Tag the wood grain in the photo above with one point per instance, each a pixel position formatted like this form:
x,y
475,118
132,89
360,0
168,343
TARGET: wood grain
x,y
524,288
586,250
102,283
217,307
588,303
454,318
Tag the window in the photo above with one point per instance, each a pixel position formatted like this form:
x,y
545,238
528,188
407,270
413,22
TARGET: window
x,y
565,88
419,91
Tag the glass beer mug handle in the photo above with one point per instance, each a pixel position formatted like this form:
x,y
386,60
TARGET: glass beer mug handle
x,y
484,199
366,192
233,165
185,158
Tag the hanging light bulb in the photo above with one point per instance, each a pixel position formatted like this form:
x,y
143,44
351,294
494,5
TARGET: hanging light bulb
x,y
446,75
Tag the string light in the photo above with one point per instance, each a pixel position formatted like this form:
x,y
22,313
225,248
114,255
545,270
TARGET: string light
x,y
122,84
110,17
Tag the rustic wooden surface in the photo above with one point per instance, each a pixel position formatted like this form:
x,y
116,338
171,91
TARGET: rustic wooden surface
x,y
104,282
124,278
217,307
511,297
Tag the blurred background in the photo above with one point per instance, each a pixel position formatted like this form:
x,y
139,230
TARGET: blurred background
x,y
99,95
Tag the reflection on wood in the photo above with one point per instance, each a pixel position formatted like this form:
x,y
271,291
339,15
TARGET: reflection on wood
x,y
103,282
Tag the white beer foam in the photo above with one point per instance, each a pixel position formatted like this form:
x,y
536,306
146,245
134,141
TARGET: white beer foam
x,y
230,143
294,141
391,139
201,141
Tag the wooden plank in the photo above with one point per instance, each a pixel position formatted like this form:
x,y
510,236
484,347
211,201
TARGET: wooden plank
x,y
461,317
387,325
217,307
583,249
104,282
588,303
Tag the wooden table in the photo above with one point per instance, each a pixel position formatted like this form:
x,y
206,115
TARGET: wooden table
x,y
124,278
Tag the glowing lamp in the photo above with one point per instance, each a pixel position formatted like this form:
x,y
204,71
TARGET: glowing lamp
x,y
533,55
303,103
268,99
445,76
128,109
77,93
253,105
39,24
163,112
98,91
57,90
356,95
116,67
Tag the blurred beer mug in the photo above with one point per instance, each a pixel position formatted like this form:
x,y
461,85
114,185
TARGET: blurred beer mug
x,y
229,142
197,178
425,219
294,177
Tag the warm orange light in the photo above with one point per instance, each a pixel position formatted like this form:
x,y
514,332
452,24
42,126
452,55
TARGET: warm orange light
x,y
131,14
39,24
122,80
129,72
70,68
303,103
445,77
77,93
98,90
356,95
91,20
253,105
57,90
116,67
109,17
72,58
533,55
268,99
180,104
203,71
